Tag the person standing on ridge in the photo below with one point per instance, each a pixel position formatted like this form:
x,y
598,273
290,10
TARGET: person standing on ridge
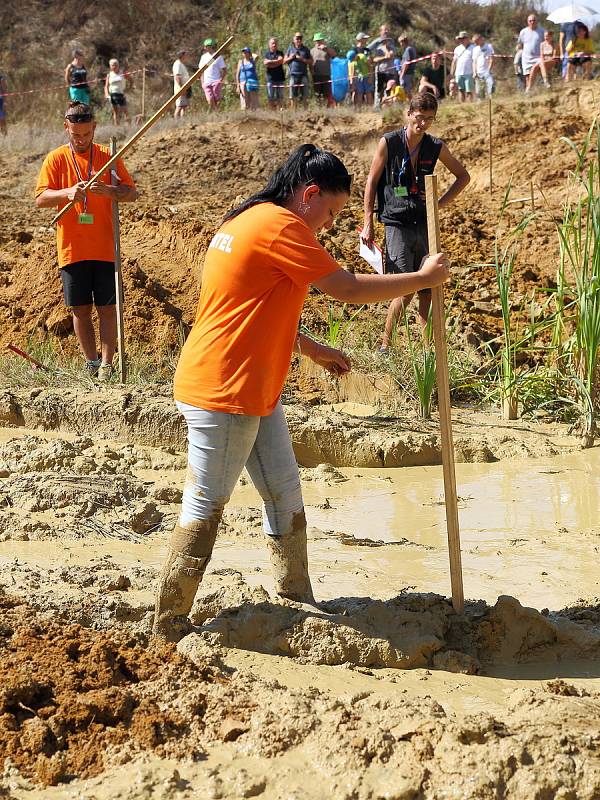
x,y
273,62
114,90
462,67
181,75
321,55
531,38
213,76
76,79
85,233
432,77
298,59
406,77
397,180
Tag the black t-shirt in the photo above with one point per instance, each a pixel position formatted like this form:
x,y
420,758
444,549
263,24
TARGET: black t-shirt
x,y
274,74
435,77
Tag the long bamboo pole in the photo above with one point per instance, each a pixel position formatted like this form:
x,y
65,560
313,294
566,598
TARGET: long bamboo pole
x,y
490,131
118,274
443,386
138,135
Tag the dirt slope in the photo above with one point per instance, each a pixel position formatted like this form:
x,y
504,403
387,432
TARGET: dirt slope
x,y
189,175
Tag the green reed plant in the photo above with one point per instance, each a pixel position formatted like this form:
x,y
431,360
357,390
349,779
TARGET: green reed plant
x,y
579,235
337,325
422,357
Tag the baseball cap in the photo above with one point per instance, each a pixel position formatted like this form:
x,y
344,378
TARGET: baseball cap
x,y
462,35
361,35
318,37
246,49
209,43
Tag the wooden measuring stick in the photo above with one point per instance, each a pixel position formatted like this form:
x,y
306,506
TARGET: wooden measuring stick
x,y
490,138
118,273
138,135
443,386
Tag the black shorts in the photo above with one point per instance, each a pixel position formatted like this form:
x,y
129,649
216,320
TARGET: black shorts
x,y
405,249
118,99
89,282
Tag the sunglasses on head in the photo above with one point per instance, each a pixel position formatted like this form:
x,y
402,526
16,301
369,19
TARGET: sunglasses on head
x,y
79,117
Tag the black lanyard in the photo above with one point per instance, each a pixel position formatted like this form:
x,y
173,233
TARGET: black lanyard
x,y
89,171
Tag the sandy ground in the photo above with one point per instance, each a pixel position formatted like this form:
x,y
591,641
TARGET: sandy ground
x,y
189,175
379,691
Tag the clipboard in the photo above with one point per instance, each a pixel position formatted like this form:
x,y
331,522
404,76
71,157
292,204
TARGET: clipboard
x,y
372,255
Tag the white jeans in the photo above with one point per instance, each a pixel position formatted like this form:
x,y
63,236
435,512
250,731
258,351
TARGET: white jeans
x,y
220,446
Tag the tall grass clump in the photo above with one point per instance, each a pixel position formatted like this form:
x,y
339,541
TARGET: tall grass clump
x,y
579,235
506,247
422,357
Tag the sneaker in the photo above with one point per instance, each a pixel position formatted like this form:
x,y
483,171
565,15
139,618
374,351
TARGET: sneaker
x,y
105,372
383,350
92,367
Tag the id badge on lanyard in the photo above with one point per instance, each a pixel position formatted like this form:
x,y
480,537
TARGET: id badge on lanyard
x,y
84,218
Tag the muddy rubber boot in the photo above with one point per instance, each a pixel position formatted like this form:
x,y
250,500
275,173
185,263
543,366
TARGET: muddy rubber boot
x,y
289,559
189,553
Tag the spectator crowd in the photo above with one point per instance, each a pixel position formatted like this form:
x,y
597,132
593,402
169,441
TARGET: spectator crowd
x,y
383,70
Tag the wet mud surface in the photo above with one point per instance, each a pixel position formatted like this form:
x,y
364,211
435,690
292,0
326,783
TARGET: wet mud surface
x,y
378,693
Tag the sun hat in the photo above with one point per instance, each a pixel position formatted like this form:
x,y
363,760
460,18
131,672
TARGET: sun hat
x,y
462,35
351,54
209,43
361,35
318,37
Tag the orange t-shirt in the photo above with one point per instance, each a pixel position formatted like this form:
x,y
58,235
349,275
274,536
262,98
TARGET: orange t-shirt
x,y
77,242
256,275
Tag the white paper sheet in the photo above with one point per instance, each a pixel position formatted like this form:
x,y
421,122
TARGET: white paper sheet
x,y
372,255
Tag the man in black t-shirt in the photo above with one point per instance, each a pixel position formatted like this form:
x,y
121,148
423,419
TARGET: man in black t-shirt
x,y
432,77
273,61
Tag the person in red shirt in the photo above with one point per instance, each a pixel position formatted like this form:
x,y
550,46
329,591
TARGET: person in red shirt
x,y
84,234
232,368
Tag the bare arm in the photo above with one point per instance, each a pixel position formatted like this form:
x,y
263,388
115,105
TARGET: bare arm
x,y
453,67
350,288
106,94
425,85
377,167
329,358
68,74
460,173
50,198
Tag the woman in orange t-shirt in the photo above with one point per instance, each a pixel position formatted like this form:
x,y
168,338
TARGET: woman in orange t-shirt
x,y
233,365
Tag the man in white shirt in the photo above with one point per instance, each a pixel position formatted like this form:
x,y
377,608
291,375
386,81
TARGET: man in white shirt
x,y
462,67
531,38
483,59
212,77
180,76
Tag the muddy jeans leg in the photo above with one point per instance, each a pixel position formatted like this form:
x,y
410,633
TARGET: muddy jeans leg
x,y
219,445
273,469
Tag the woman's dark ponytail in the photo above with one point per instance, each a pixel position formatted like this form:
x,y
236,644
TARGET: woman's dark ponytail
x,y
307,164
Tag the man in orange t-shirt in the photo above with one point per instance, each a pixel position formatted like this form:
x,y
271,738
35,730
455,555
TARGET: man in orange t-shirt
x,y
85,233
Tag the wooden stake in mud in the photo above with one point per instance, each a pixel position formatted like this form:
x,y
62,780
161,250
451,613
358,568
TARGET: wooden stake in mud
x,y
118,273
143,93
532,197
154,118
443,386
281,127
490,138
